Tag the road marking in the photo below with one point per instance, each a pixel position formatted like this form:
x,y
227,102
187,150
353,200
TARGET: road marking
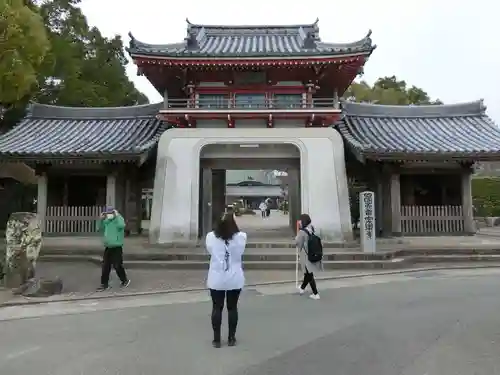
x,y
24,352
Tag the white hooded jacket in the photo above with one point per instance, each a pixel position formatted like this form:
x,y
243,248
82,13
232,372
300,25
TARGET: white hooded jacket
x,y
226,271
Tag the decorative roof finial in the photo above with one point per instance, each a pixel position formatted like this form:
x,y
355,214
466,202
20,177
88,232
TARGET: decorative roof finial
x,y
369,33
316,22
482,106
133,41
189,23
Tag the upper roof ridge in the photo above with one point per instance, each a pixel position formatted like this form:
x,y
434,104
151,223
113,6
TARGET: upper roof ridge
x,y
249,27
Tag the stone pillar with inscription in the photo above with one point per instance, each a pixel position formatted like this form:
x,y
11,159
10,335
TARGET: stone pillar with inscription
x,y
367,221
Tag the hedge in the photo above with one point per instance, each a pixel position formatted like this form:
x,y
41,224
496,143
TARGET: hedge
x,y
486,196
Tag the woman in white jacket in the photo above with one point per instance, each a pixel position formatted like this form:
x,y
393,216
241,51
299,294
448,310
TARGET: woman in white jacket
x,y
225,244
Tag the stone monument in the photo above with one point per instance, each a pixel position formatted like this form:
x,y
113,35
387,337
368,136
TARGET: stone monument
x,y
24,241
367,221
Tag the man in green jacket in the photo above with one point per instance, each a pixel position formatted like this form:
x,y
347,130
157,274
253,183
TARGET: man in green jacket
x,y
112,227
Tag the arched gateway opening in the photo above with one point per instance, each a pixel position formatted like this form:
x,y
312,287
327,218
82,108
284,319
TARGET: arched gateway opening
x,y
190,188
240,177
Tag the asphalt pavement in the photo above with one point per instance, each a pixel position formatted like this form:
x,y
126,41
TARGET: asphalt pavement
x,y
429,323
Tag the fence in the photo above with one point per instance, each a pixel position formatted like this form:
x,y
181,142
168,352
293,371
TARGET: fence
x,y
72,220
431,219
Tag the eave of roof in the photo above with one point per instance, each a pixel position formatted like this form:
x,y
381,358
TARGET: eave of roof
x,y
431,132
206,41
62,134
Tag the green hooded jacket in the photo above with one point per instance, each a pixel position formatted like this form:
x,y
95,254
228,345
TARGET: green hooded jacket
x,y
113,231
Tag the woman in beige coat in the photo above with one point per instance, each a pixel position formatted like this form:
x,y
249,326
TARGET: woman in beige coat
x,y
307,267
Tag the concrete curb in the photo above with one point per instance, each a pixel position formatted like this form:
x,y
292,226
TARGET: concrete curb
x,y
93,296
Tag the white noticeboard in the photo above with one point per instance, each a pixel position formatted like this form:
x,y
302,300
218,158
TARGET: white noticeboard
x,y
367,221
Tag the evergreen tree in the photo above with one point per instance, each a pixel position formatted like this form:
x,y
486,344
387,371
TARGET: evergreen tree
x,y
388,90
60,59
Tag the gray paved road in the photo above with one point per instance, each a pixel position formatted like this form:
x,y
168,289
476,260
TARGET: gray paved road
x,y
434,323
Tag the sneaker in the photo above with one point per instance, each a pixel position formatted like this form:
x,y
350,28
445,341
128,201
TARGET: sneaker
x,y
314,296
126,283
301,291
231,341
103,288
216,344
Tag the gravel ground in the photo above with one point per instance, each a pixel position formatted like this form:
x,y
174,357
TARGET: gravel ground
x,y
82,279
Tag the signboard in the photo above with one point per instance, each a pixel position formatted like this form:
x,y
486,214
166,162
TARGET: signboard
x,y
367,221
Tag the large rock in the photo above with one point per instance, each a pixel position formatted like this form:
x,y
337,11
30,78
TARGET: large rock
x,y
24,240
39,288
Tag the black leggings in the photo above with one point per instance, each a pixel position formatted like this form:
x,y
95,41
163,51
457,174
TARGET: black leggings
x,y
218,297
309,279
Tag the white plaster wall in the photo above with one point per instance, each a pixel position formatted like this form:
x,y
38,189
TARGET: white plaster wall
x,y
324,192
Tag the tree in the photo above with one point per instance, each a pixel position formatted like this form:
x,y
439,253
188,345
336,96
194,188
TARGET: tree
x,y
23,46
79,67
83,68
388,90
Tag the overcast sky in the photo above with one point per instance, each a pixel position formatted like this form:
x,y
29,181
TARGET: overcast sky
x,y
448,48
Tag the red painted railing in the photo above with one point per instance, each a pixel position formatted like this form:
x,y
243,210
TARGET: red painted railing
x,y
242,103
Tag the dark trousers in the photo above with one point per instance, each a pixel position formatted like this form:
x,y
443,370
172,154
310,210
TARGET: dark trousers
x,y
263,213
113,257
309,279
218,297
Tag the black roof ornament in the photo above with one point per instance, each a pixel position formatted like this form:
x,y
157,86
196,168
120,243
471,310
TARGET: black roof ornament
x,y
133,41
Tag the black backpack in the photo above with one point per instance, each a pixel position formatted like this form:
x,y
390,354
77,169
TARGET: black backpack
x,y
314,247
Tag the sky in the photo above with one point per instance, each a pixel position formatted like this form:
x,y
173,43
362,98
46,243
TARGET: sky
x,y
448,48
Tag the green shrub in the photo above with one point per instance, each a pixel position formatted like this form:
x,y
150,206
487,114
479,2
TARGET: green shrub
x,y
486,196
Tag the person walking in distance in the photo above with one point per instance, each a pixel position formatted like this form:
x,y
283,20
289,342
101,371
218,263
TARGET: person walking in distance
x,y
268,207
226,245
263,209
112,227
310,254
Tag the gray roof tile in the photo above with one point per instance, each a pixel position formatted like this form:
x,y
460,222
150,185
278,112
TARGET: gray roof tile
x,y
430,131
251,41
52,131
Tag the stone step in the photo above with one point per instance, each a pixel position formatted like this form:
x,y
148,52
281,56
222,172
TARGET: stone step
x,y
454,258
279,243
257,245
260,265
288,263
447,250
204,257
283,254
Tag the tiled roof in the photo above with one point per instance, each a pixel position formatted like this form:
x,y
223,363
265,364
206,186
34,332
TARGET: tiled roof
x,y
458,131
49,132
251,41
